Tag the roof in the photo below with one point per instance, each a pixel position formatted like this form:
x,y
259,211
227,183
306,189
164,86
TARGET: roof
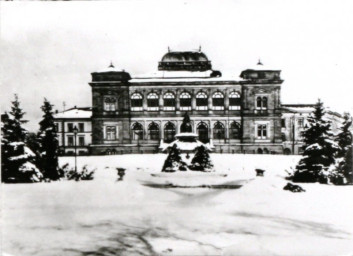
x,y
184,56
261,67
111,68
74,113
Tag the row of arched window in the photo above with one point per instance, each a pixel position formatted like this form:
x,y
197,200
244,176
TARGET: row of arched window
x,y
169,131
185,99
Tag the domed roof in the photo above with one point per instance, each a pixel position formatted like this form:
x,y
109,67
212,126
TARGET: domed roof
x,y
184,56
185,61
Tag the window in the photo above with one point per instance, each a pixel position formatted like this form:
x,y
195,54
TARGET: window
x,y
109,103
202,131
234,131
261,131
152,102
70,127
70,141
261,103
301,122
283,123
81,141
81,127
234,101
218,131
169,101
56,127
153,131
136,102
111,132
218,101
169,132
137,131
185,101
201,101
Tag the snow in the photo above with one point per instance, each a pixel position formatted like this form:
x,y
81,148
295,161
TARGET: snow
x,y
110,69
109,217
74,113
26,155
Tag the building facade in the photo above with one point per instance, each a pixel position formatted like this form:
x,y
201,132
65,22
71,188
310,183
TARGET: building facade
x,y
136,114
69,121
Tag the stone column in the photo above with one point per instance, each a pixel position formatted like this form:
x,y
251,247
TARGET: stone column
x,y
226,99
144,102
160,100
177,100
193,100
209,100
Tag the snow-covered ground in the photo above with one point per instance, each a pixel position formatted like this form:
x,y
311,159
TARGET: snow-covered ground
x,y
106,217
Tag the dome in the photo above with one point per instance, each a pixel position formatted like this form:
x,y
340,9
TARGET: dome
x,y
184,56
185,61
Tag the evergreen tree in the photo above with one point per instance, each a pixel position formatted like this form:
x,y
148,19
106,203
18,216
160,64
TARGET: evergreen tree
x,y
344,154
48,143
202,159
319,148
16,158
186,124
173,160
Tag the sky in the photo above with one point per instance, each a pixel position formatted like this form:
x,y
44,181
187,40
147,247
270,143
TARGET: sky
x,y
49,49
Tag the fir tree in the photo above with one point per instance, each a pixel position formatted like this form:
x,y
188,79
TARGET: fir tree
x,y
319,148
48,143
17,159
186,124
173,160
201,159
344,154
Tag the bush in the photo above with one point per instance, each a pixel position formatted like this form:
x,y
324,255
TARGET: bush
x,y
71,174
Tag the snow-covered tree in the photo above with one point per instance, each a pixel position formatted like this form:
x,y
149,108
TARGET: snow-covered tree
x,y
173,161
48,143
201,160
16,158
344,154
319,149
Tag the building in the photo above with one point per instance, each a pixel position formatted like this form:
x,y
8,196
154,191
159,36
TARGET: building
x,y
294,121
237,114
66,122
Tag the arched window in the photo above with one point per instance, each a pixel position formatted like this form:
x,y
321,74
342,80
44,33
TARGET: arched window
x,y
234,131
218,131
185,101
110,103
169,101
261,103
153,131
137,131
152,102
136,102
202,131
201,101
169,132
218,101
234,101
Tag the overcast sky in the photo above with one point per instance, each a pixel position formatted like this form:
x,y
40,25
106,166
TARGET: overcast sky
x,y
49,49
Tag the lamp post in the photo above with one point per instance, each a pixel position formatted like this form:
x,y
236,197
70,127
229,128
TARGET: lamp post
x,y
75,130
293,133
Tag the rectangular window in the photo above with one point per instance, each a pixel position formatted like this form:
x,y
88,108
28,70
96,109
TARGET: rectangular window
x,y
301,122
169,102
56,127
283,123
152,104
261,131
201,103
185,104
111,132
70,127
70,141
81,127
81,141
234,103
